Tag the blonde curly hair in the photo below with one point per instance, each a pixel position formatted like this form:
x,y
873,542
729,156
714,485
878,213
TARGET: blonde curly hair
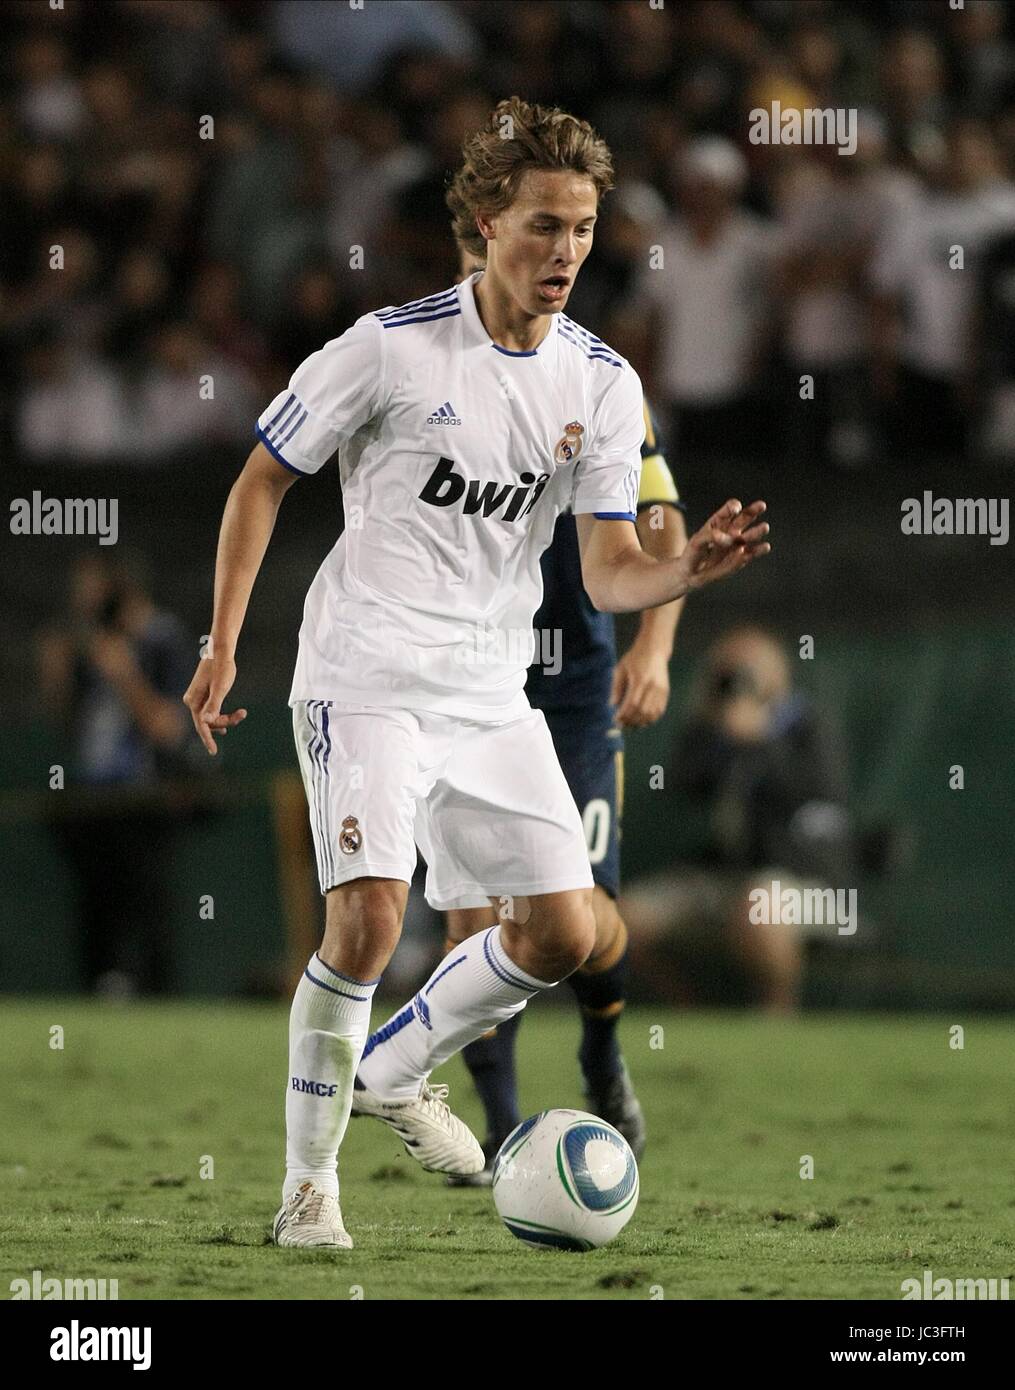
x,y
520,136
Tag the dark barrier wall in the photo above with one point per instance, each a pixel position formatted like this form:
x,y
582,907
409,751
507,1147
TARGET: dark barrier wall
x,y
910,708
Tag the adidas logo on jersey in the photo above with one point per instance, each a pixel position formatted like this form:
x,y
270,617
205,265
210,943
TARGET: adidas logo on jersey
x,y
445,487
444,416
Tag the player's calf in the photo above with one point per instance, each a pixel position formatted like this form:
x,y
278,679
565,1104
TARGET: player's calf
x,y
600,987
328,1027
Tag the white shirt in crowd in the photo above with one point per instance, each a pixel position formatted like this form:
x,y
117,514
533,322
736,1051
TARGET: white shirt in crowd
x,y
711,299
936,298
827,323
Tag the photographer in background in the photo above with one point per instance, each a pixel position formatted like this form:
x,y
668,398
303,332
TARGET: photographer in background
x,y
112,678
757,764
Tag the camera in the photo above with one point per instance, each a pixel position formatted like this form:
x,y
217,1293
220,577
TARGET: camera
x,y
731,684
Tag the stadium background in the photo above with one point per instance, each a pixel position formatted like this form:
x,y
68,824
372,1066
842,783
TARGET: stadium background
x,y
231,256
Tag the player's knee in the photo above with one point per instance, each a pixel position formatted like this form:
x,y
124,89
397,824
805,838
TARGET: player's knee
x,y
557,937
574,937
586,942
462,922
611,933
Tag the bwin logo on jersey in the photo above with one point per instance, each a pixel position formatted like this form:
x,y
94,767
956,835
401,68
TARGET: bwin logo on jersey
x,y
445,487
444,416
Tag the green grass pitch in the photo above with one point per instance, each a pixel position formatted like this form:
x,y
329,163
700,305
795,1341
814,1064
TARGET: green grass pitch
x,y
913,1144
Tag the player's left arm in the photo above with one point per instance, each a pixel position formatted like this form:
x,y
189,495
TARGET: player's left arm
x,y
641,677
619,576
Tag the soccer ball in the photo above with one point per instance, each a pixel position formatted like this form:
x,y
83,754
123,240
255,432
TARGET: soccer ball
x,y
565,1179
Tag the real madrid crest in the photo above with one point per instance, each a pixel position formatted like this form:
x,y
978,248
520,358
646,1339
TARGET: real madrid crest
x,y
569,447
351,838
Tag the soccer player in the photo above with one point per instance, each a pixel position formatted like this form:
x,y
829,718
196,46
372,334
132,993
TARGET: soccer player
x,y
588,698
466,422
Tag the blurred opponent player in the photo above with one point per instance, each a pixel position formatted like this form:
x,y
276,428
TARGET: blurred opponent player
x,y
466,422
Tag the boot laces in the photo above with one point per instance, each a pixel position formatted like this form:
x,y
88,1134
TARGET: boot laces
x,y
434,1099
312,1208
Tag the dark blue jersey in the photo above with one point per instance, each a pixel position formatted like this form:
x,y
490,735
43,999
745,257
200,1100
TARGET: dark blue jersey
x,y
576,648
570,634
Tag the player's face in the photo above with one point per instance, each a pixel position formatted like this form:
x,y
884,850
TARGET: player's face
x,y
536,247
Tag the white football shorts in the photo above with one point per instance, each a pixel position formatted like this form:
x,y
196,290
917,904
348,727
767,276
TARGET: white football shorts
x,y
486,803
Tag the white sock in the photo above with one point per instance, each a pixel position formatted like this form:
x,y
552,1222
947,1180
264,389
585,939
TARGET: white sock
x,y
328,1027
475,987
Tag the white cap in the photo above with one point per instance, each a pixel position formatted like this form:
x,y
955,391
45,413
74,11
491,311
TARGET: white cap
x,y
639,201
713,158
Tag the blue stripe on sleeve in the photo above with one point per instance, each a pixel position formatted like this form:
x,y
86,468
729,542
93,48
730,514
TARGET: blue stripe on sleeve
x,y
273,422
300,421
275,453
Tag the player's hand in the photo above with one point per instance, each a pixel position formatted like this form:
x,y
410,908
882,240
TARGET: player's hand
x,y
641,687
729,540
212,682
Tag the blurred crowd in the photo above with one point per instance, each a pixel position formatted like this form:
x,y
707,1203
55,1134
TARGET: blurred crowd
x,y
194,196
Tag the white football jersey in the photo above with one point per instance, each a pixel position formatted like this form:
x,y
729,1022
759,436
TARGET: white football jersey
x,y
456,457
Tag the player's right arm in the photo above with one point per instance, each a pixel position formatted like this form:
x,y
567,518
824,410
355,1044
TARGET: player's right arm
x,y
330,395
247,524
